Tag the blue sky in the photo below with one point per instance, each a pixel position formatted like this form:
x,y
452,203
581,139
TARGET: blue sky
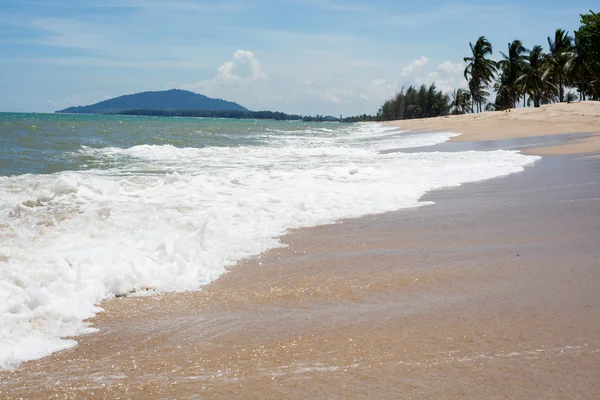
x,y
296,56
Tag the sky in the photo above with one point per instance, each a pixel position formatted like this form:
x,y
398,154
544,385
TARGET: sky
x,y
329,57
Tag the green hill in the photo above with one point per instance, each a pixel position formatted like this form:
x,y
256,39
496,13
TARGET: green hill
x,y
174,99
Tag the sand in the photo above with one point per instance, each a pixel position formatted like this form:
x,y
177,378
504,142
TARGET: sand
x,y
553,119
490,293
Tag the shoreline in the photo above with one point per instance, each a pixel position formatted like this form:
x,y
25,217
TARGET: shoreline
x,y
349,308
549,120
493,273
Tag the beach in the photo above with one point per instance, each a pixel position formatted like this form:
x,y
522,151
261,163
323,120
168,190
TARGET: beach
x,y
489,293
554,119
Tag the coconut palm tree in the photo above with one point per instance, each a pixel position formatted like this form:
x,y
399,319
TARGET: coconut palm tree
x,y
512,67
461,102
571,97
531,80
504,93
481,94
579,74
587,42
561,47
480,70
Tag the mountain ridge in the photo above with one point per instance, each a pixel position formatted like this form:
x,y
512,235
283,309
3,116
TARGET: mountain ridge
x,y
165,100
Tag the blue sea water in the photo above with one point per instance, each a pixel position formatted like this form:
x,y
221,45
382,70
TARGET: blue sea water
x,y
48,143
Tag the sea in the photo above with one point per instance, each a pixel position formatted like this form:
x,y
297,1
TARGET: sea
x,y
96,206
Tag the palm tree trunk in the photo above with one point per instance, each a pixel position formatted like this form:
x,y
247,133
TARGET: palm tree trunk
x,y
561,92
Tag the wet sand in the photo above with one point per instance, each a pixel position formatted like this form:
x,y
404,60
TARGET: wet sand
x,y
490,293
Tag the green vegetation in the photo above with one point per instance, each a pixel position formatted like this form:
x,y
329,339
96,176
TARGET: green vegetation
x,y
215,114
424,102
532,76
461,102
535,76
480,70
508,91
584,66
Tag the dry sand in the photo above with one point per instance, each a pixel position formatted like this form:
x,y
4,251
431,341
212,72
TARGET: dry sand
x,y
491,293
553,119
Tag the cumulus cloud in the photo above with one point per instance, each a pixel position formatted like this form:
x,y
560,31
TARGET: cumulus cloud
x,y
451,68
242,59
241,79
244,68
449,76
414,66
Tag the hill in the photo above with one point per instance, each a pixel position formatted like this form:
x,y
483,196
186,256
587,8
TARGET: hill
x,y
174,99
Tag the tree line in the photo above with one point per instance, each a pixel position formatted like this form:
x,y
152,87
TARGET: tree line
x,y
536,77
422,102
239,114
236,114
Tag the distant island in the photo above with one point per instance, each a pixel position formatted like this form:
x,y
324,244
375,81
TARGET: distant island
x,y
166,100
183,103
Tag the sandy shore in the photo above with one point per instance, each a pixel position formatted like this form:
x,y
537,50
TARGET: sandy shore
x,y
550,119
491,293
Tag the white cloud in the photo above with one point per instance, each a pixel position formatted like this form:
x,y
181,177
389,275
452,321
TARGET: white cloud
x,y
414,66
245,63
449,76
244,57
242,80
451,68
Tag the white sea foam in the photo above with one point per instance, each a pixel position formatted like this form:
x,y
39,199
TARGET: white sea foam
x,y
172,219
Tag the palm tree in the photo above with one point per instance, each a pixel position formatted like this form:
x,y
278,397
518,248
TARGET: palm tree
x,y
461,101
531,80
504,93
481,94
560,50
480,70
587,43
571,97
512,67
579,74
